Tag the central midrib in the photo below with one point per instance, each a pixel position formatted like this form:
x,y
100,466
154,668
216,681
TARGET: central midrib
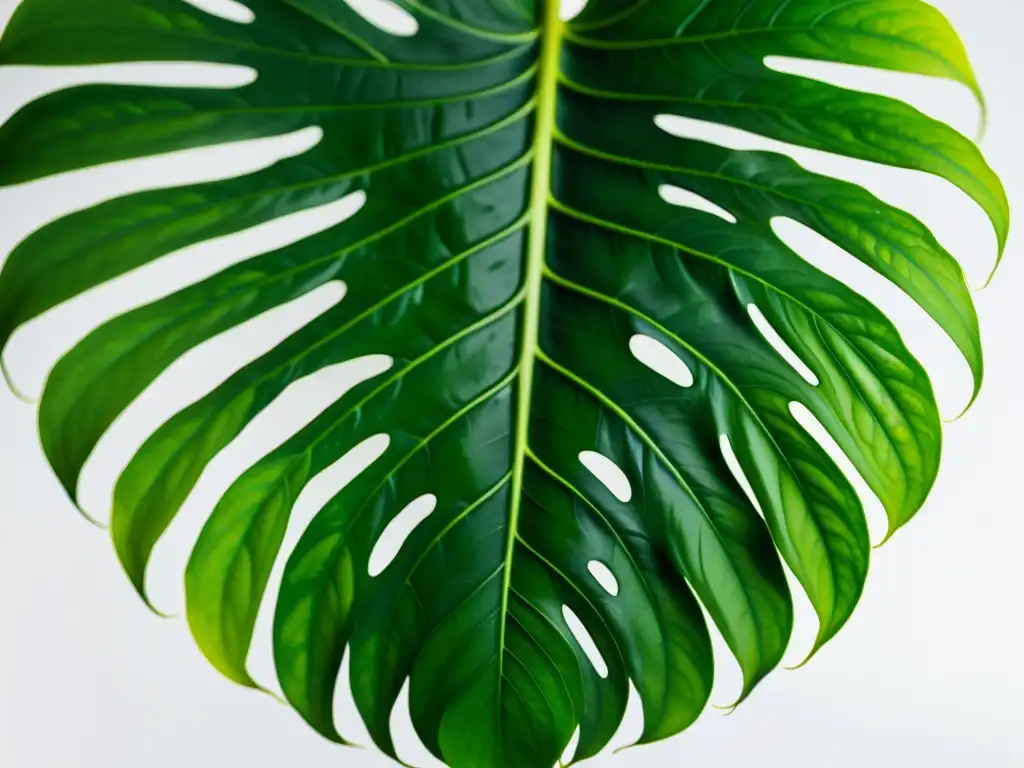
x,y
547,91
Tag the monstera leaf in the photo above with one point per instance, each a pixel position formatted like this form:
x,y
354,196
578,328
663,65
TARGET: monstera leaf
x,y
516,261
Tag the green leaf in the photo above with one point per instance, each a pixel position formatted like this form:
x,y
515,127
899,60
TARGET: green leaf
x,y
512,247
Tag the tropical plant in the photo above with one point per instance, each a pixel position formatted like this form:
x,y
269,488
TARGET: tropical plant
x,y
514,258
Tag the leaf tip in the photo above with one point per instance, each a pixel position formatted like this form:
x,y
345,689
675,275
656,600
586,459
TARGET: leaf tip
x,y
624,747
12,387
995,267
982,116
810,655
966,408
888,535
133,566
140,589
727,710
272,694
89,518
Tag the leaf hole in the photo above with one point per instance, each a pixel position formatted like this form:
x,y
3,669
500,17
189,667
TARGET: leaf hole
x,y
408,745
684,198
292,410
190,377
586,642
323,487
230,10
805,620
22,84
939,98
779,345
603,575
631,729
725,444
609,473
728,679
390,542
949,213
806,623
878,522
347,719
40,202
386,16
569,753
923,336
660,359
570,9
45,199
40,342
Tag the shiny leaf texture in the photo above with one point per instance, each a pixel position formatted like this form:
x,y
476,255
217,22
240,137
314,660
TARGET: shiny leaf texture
x,y
512,256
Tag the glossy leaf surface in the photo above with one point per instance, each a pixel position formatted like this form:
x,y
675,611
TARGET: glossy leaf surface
x,y
512,249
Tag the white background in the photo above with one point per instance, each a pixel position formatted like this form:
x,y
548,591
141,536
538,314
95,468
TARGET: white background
x,y
927,672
